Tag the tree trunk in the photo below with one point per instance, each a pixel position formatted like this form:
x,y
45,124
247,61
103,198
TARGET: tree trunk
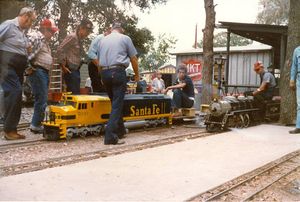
x,y
288,98
208,36
63,22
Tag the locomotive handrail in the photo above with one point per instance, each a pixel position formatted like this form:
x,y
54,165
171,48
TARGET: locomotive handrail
x,y
242,86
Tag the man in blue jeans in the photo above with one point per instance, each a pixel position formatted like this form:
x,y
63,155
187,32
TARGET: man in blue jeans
x,y
41,61
13,61
115,52
295,78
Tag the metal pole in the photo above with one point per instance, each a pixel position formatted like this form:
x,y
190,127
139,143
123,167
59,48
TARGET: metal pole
x,y
227,61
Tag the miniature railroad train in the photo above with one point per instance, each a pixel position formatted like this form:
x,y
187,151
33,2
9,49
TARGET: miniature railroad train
x,y
83,114
239,112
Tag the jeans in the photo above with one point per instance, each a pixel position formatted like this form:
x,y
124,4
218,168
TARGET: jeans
x,y
39,82
115,83
181,99
95,78
298,100
12,88
73,81
14,64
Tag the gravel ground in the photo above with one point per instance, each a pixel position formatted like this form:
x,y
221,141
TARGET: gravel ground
x,y
287,189
77,145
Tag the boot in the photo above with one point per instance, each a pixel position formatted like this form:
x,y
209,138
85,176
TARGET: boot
x,y
13,135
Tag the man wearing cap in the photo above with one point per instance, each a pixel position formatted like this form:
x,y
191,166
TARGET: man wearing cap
x,y
295,85
41,62
267,83
116,51
93,66
70,52
14,48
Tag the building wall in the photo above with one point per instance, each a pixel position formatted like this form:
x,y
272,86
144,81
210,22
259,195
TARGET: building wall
x,y
240,68
240,65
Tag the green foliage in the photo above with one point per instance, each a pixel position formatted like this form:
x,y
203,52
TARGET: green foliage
x,y
159,55
274,12
220,40
68,13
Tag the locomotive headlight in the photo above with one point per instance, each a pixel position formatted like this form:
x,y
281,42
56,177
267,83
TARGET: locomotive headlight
x,y
47,112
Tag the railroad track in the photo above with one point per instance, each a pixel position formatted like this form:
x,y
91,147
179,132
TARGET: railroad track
x,y
21,126
250,185
12,145
54,162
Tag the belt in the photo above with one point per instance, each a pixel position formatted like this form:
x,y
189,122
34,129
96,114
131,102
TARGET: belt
x,y
112,67
40,67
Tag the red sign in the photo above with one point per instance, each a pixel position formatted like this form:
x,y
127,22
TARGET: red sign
x,y
194,69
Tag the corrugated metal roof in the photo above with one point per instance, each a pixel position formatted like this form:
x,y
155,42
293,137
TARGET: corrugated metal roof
x,y
249,48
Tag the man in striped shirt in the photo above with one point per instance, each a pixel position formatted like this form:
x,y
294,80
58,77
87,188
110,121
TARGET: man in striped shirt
x,y
41,61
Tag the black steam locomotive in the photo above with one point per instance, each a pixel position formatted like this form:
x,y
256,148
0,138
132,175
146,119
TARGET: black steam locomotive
x,y
240,112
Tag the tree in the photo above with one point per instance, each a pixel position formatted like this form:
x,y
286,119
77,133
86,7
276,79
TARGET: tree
x,y
288,99
157,56
67,14
208,36
273,12
220,40
10,9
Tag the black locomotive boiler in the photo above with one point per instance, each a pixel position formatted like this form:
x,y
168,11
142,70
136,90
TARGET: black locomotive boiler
x,y
240,112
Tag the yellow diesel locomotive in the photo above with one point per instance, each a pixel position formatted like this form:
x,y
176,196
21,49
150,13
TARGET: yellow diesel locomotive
x,y
88,114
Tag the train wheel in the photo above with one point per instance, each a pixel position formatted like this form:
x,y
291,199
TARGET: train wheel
x,y
246,120
98,131
84,133
239,121
69,134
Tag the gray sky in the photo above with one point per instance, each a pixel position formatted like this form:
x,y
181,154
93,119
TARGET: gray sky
x,y
179,17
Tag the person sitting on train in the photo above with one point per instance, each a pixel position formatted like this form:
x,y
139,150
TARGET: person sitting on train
x,y
183,91
158,84
267,83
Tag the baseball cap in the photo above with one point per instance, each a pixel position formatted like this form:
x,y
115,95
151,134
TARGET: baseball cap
x,y
258,65
49,24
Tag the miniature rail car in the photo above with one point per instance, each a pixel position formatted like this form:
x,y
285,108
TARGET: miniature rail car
x,y
83,114
239,112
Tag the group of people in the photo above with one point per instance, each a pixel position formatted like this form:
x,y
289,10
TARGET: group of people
x,y
110,54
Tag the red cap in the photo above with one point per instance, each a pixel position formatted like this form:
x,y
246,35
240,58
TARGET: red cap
x,y
258,65
48,23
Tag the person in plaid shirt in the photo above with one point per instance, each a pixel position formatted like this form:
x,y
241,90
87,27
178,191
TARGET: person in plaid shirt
x,y
70,52
41,62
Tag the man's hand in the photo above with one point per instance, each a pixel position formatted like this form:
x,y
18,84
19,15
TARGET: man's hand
x,y
292,85
164,91
29,71
65,69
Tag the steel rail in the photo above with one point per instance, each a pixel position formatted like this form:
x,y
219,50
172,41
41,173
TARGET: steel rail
x,y
249,176
251,196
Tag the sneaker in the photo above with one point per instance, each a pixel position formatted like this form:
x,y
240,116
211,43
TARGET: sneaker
x,y
36,129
